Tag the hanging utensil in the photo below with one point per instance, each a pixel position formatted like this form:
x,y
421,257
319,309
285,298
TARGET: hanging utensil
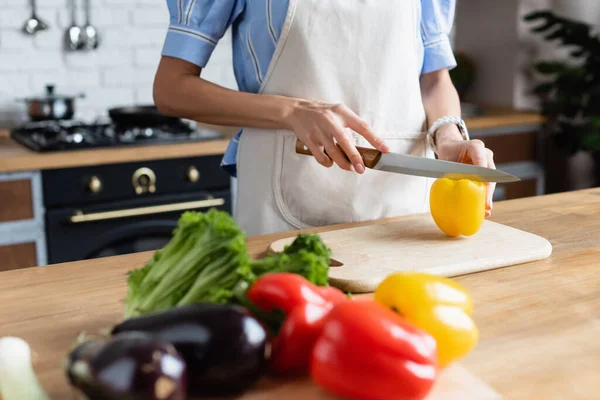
x,y
34,24
74,39
91,34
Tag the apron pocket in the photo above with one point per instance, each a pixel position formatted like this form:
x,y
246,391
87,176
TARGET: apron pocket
x,y
310,195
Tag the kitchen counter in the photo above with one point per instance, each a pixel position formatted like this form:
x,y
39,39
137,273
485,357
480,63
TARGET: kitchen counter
x,y
494,117
15,157
539,322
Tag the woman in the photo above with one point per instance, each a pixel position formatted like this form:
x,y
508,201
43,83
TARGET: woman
x,y
325,72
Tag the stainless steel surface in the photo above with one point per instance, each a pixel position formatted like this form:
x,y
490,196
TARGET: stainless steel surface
x,y
34,24
91,38
74,37
432,168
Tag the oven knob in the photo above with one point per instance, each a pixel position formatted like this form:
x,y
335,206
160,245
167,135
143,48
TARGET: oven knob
x,y
144,180
95,184
193,175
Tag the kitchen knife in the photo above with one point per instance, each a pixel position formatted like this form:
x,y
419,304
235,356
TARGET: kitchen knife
x,y
422,166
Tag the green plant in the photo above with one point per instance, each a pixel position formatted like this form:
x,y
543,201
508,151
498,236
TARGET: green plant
x,y
463,74
570,90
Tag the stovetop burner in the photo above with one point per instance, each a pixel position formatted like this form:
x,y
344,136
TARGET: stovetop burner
x,y
76,135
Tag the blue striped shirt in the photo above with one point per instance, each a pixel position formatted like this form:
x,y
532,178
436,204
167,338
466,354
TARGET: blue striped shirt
x,y
196,26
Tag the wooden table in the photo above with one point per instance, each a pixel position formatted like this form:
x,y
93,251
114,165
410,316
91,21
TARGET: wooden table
x,y
539,322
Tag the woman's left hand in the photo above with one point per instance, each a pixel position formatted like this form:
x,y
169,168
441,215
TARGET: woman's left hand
x,y
451,147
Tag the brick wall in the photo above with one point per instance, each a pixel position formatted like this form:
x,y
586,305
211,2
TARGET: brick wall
x,y
119,72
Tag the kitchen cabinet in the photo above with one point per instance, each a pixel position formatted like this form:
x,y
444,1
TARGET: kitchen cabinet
x,y
16,256
101,181
515,139
22,238
16,202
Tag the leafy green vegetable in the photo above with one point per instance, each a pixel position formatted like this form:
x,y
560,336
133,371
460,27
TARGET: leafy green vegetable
x,y
207,261
201,263
307,255
310,243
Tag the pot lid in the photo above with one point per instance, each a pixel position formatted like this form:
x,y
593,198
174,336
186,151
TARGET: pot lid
x,y
50,95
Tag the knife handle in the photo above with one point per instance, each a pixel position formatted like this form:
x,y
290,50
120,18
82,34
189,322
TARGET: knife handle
x,y
370,156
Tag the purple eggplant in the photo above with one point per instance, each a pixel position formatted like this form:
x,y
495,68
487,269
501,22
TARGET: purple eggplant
x,y
131,366
225,349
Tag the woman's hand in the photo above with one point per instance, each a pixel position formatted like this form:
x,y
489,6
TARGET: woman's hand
x,y
469,152
321,126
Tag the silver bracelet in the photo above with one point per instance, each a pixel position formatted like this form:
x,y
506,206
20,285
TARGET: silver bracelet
x,y
462,127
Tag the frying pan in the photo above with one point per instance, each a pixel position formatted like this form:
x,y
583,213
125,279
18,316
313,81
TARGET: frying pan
x,y
136,115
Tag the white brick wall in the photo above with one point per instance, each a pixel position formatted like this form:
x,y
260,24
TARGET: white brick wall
x,y
120,72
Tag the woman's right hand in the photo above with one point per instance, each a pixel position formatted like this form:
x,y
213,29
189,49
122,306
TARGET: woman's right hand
x,y
321,126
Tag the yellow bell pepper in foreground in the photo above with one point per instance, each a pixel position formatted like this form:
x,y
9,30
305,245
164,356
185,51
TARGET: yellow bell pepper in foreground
x,y
438,305
458,206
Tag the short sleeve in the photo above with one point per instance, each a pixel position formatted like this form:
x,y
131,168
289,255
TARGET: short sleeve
x,y
436,25
196,26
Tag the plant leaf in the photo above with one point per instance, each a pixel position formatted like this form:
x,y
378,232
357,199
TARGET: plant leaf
x,y
543,89
540,14
550,67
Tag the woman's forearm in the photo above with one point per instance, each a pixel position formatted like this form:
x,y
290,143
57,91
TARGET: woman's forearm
x,y
179,91
440,99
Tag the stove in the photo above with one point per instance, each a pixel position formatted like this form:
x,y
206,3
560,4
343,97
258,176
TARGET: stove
x,y
60,135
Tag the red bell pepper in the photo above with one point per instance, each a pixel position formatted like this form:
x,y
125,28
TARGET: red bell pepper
x,y
305,306
368,352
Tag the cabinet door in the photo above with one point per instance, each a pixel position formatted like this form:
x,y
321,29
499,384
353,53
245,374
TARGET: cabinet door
x,y
15,256
516,190
512,147
16,201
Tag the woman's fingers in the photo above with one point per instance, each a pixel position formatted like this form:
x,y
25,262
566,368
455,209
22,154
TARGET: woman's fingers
x,y
351,152
476,153
318,153
336,155
359,126
322,127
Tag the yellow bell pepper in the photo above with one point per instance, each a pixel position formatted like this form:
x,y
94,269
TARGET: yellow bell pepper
x,y
458,206
439,306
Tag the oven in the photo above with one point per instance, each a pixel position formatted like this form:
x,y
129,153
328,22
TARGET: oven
x,y
117,209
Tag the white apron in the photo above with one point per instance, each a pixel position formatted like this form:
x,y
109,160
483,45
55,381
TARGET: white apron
x,y
364,54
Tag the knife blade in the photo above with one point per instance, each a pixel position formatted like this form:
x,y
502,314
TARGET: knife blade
x,y
423,166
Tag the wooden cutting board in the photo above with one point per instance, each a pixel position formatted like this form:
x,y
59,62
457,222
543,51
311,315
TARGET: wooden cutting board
x,y
454,383
368,254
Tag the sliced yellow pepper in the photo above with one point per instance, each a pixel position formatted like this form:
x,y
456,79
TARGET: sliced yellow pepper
x,y
438,305
458,206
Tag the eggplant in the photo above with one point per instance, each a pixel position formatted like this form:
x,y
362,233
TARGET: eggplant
x,y
226,350
131,366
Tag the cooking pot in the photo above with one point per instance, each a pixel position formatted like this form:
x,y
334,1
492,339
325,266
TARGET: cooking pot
x,y
51,106
148,115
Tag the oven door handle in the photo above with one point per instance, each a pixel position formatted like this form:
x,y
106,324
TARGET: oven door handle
x,y
80,217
